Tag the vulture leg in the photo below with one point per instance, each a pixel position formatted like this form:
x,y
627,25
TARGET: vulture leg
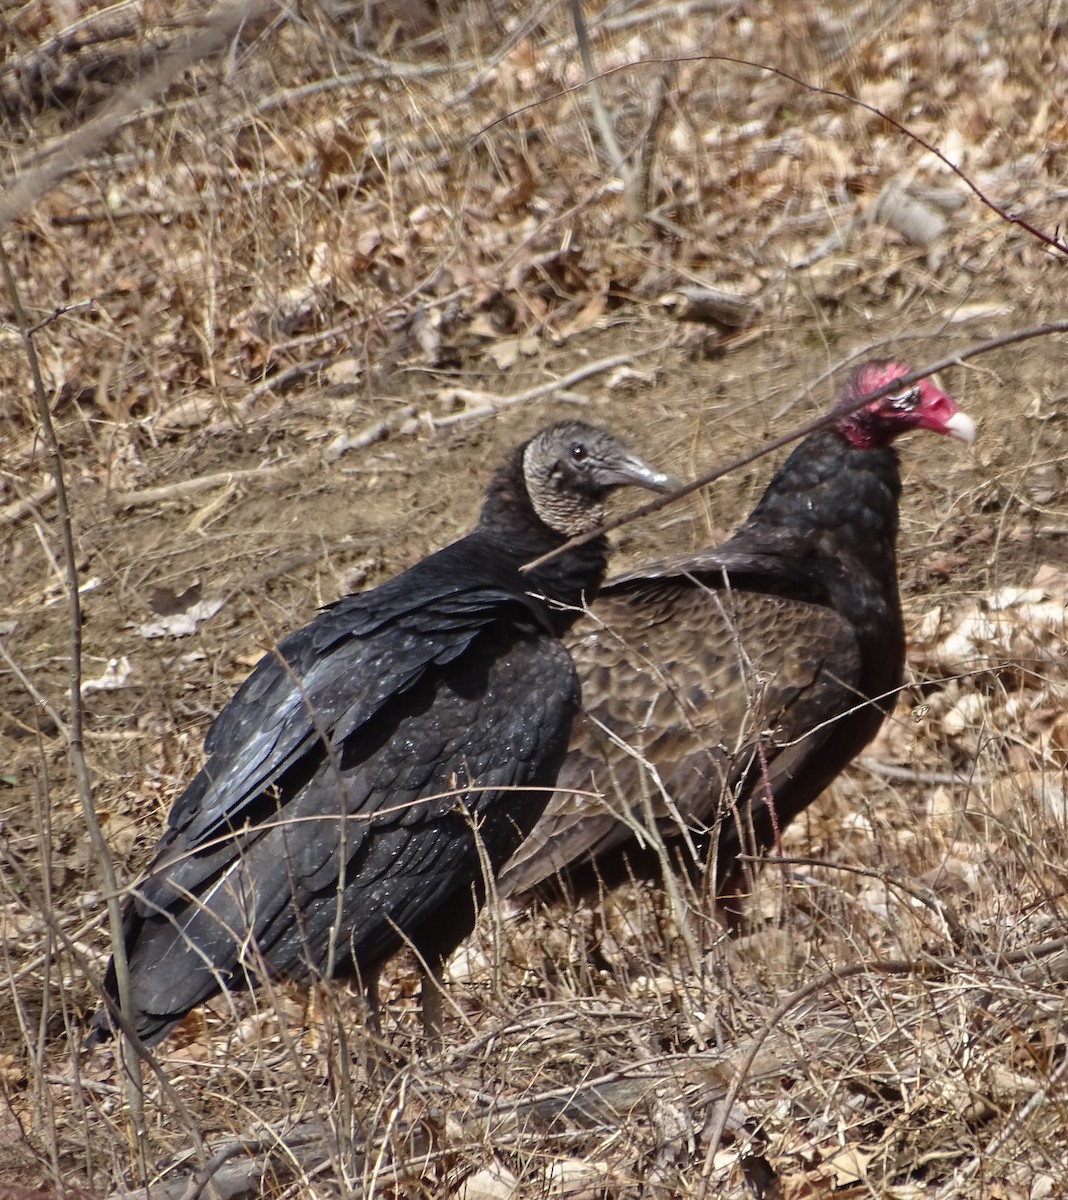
x,y
373,1008
376,1052
431,993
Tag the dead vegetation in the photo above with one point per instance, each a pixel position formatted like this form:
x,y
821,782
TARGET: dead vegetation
x,y
289,310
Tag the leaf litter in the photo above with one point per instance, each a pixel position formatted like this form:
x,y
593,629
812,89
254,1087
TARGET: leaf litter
x,y
280,265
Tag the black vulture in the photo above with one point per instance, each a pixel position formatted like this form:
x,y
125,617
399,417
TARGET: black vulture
x,y
724,690
382,759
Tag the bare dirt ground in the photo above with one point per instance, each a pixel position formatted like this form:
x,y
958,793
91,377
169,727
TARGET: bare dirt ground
x,y
295,309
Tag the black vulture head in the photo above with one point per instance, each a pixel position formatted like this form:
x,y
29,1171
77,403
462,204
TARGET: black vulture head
x,y
570,467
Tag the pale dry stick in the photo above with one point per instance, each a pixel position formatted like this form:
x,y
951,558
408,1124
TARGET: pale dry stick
x,y
18,509
835,240
642,184
283,378
66,39
395,1111
655,13
668,874
60,311
75,746
344,327
90,1085
190,487
271,181
616,158
801,431
912,775
23,456
76,938
58,581
69,154
495,403
55,998
244,1179
367,436
463,1056
959,935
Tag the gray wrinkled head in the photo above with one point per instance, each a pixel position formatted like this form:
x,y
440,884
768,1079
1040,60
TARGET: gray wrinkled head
x,y
570,467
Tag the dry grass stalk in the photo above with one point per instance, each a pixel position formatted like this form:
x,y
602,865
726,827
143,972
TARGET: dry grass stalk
x,y
256,243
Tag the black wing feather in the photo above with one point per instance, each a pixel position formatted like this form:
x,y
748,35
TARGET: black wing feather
x,y
302,694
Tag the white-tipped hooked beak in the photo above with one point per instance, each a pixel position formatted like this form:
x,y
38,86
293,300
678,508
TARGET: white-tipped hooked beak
x,y
637,472
960,425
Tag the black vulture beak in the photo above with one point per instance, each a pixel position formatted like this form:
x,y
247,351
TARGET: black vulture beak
x,y
632,471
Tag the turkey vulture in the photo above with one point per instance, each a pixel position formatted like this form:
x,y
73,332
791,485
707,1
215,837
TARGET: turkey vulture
x,y
724,690
373,766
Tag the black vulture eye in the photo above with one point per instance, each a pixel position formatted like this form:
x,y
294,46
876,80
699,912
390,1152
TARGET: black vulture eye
x,y
579,453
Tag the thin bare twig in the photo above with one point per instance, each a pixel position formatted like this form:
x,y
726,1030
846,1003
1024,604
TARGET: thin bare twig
x,y
283,380
1053,241
60,311
913,775
735,464
38,697
74,732
600,113
201,483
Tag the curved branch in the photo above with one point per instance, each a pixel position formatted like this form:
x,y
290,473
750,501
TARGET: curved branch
x,y
1053,241
735,464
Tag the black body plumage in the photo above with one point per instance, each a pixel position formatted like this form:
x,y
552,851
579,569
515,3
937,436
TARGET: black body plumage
x,y
366,771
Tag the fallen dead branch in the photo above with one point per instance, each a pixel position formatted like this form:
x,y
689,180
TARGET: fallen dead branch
x,y
710,306
901,774
18,509
487,403
203,483
1006,339
69,152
